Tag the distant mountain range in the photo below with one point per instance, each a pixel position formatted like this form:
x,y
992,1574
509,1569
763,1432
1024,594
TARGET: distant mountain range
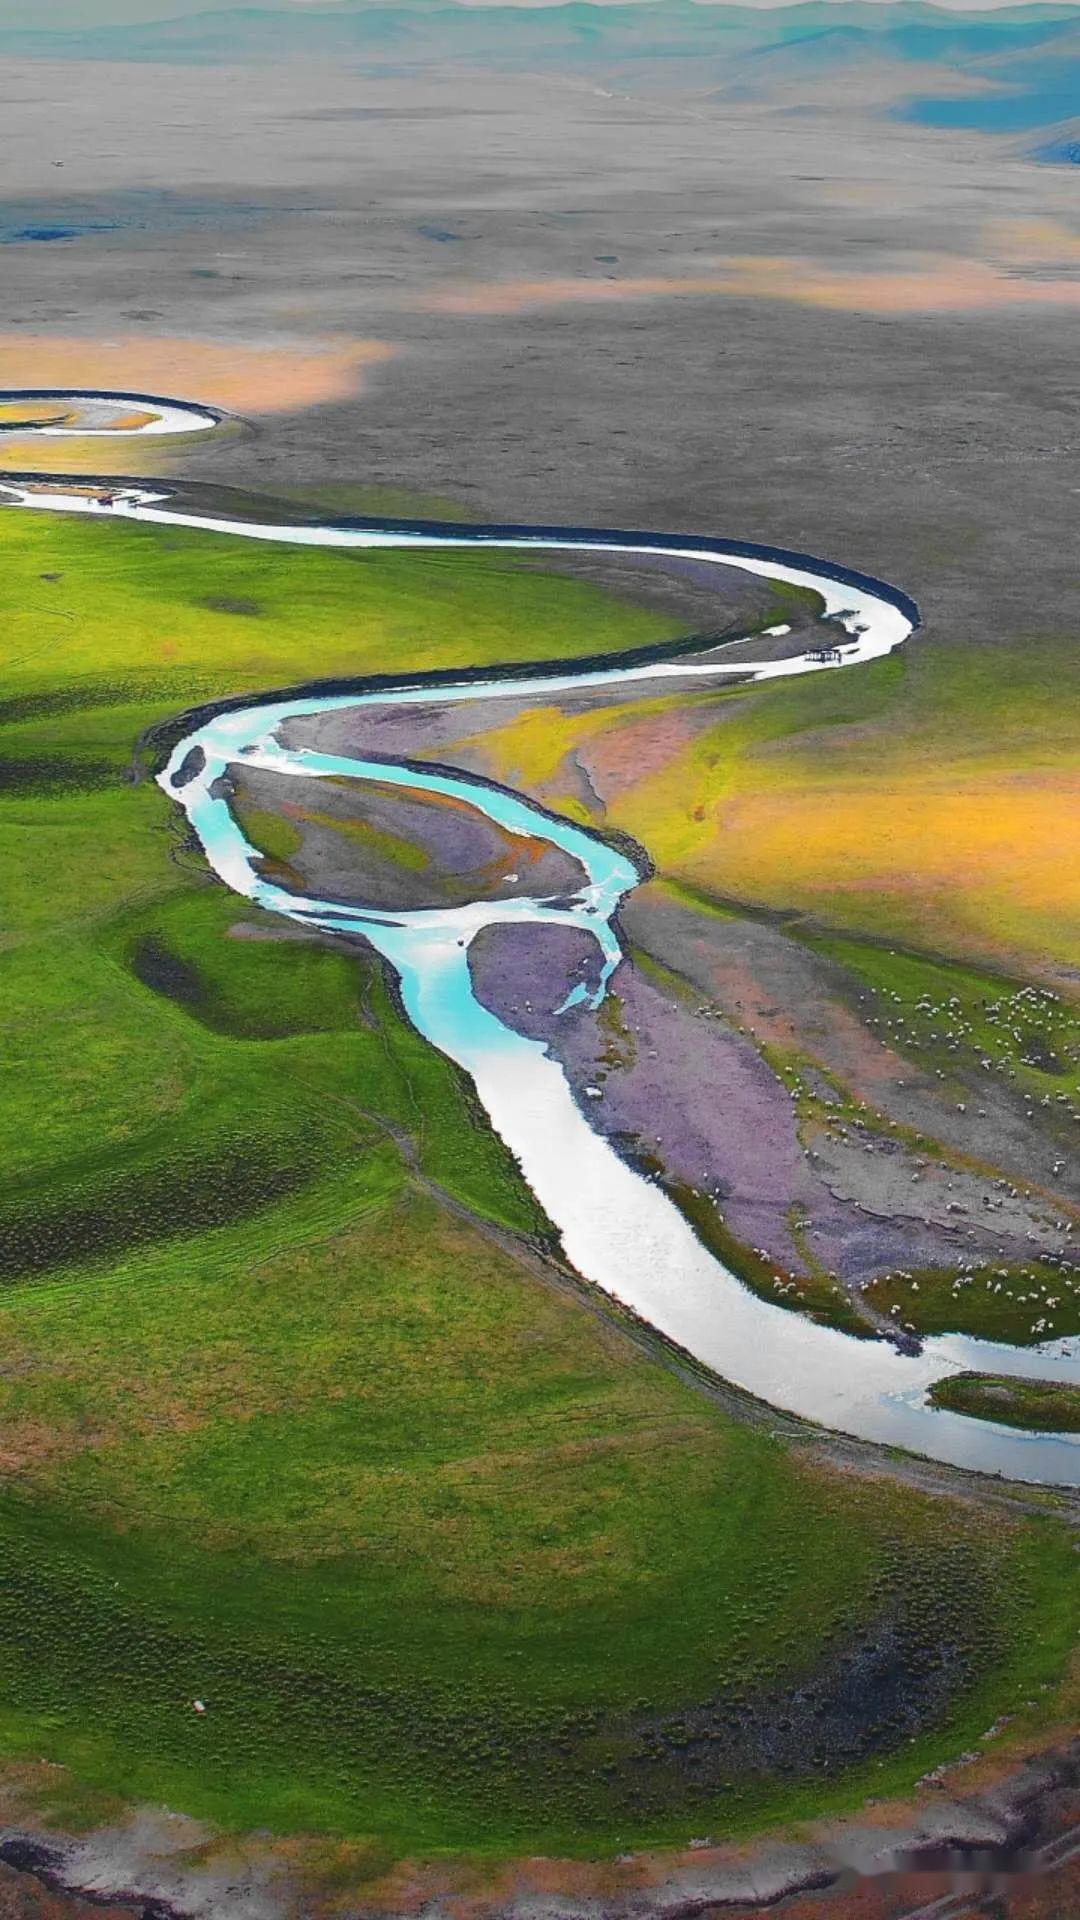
x,y
1011,70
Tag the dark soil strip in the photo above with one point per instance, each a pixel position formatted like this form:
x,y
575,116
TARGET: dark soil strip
x,y
137,1207
53,773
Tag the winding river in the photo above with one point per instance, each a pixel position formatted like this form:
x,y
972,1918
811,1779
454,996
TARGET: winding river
x,y
618,1229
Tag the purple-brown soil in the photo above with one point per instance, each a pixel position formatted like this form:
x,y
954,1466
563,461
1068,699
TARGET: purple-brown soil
x,y
670,1083
399,848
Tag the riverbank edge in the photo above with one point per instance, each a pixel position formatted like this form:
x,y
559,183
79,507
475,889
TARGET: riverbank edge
x,y
1015,1816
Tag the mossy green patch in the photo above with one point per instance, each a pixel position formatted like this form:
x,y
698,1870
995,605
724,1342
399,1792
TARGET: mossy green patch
x,y
272,834
1045,1406
982,1026
394,848
991,1300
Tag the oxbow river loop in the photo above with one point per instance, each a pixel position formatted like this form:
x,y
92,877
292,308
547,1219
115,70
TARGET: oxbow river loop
x,y
618,1229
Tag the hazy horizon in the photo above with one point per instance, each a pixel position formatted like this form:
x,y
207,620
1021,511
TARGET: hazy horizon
x,y
83,14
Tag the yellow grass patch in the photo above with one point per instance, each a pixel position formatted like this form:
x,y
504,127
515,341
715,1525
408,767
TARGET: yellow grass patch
x,y
533,749
41,413
530,748
980,864
132,458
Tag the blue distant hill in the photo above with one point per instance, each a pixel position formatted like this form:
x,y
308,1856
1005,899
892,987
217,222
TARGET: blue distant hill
x,y
1030,84
1024,60
577,33
1000,113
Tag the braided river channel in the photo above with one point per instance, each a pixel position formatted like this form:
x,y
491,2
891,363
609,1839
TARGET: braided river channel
x,y
617,1227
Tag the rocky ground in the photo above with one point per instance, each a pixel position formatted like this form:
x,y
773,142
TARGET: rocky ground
x,y
981,1841
394,847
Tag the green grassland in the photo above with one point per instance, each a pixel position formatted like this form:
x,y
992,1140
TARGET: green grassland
x,y
289,1421
190,615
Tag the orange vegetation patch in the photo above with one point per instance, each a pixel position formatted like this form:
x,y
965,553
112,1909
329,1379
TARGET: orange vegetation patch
x,y
1034,242
278,377
128,422
924,284
929,284
27,1445
245,379
986,864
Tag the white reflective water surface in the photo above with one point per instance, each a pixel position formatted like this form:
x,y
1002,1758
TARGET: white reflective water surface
x,y
93,415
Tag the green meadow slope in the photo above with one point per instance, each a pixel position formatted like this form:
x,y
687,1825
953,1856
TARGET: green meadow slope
x,y
292,1423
